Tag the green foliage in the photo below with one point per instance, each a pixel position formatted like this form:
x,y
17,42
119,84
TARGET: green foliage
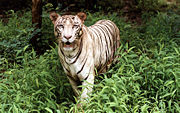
x,y
148,4
47,38
139,83
18,31
15,34
162,27
155,5
145,78
38,84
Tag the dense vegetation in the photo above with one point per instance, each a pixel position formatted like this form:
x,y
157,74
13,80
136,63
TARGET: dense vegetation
x,y
145,79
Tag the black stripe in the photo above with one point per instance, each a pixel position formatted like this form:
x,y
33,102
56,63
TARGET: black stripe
x,y
115,28
107,47
79,52
82,67
67,70
66,61
109,35
107,26
61,51
107,44
88,74
113,40
63,55
78,82
109,32
99,44
99,36
84,57
80,48
86,77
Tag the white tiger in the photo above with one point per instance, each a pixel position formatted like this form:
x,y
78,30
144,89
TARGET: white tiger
x,y
83,49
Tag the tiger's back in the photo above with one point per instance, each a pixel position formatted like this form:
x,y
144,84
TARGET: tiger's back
x,y
105,35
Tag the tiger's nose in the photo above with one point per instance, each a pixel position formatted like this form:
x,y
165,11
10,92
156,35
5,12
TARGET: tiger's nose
x,y
68,36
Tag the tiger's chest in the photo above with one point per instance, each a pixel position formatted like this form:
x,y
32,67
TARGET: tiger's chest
x,y
79,67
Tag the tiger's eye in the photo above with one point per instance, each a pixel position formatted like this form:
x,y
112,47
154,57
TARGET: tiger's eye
x,y
61,26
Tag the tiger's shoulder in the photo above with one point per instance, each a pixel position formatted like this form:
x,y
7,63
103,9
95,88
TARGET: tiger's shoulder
x,y
103,21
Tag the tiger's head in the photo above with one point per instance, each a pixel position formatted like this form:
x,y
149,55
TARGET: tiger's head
x,y
68,29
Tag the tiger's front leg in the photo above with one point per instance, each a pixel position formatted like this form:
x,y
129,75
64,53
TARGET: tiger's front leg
x,y
87,86
74,86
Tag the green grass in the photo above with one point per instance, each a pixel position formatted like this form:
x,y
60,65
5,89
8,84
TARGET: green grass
x,y
34,85
146,78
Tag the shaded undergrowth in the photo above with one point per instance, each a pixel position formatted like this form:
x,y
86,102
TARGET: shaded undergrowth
x,y
145,79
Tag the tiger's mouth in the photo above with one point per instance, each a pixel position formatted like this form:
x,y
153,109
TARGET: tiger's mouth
x,y
68,45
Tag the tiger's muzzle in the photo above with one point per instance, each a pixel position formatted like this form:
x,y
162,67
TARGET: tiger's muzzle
x,y
69,44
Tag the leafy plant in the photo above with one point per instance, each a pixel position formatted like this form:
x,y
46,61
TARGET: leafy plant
x,y
36,85
145,78
15,34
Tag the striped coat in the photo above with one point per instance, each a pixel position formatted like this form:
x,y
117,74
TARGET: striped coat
x,y
95,50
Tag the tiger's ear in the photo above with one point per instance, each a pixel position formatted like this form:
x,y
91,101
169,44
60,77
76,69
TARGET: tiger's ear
x,y
82,16
53,16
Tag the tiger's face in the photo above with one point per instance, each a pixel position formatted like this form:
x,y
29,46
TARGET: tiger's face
x,y
68,29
